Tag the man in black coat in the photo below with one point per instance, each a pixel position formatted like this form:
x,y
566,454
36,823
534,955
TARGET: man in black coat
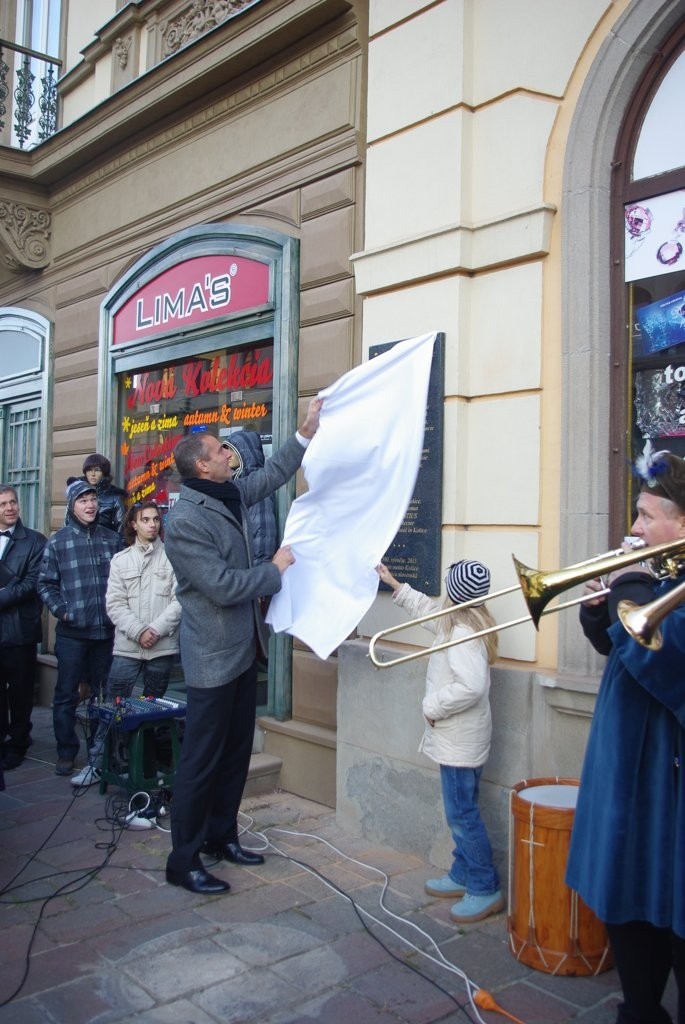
x,y
21,551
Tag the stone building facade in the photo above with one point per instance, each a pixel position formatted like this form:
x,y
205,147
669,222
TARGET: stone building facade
x,y
398,166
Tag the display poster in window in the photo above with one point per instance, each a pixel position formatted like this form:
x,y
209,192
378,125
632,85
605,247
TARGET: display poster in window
x,y
660,402
226,392
654,235
662,323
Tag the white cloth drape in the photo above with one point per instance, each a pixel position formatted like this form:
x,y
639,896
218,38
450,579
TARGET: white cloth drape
x,y
361,469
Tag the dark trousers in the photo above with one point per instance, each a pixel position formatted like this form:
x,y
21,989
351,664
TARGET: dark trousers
x,y
78,661
644,957
213,767
17,679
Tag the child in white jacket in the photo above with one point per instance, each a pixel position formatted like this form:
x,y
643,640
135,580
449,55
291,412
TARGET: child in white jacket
x,y
456,708
141,602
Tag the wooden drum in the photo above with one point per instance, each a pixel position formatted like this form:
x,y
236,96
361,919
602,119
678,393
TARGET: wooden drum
x,y
550,928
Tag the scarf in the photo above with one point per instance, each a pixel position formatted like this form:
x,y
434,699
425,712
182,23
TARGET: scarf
x,y
227,493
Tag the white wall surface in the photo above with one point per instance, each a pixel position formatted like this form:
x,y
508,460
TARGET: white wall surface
x,y
84,18
416,71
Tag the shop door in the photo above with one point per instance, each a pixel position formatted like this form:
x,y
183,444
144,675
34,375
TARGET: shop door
x,y
20,434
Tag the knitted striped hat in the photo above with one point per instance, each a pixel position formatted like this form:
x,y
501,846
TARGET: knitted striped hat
x,y
467,580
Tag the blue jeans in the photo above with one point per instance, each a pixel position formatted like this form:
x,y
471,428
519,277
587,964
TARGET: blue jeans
x,y
153,673
472,864
78,661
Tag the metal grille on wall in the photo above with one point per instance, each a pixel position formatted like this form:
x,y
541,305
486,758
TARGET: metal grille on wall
x,y
21,456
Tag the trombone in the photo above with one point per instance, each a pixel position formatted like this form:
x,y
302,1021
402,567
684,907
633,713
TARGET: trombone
x,y
642,621
538,589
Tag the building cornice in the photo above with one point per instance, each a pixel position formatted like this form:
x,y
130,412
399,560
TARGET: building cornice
x,y
99,143
456,249
261,33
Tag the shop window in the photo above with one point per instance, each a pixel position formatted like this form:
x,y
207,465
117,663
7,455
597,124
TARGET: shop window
x,y
228,392
224,391
650,406
660,145
201,335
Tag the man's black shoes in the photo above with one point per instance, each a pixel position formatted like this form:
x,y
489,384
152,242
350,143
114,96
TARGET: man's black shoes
x,y
232,852
198,881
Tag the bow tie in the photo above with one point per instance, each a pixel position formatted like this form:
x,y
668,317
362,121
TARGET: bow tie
x,y
5,533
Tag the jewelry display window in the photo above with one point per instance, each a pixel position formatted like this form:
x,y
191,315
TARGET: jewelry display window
x,y
655,282
648,364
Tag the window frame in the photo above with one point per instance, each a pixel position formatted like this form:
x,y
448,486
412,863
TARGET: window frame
x,y
277,325
31,384
625,190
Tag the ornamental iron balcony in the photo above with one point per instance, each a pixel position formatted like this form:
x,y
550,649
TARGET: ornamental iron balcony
x,y
28,95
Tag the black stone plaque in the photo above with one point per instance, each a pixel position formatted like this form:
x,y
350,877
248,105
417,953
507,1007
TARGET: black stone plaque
x,y
414,555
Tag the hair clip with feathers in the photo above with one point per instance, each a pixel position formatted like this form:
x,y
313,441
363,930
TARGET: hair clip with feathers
x,y
650,465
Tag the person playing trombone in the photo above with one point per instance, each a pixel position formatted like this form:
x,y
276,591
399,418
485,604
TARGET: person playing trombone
x,y
456,708
627,852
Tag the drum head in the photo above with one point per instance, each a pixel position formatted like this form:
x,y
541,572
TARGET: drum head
x,y
556,795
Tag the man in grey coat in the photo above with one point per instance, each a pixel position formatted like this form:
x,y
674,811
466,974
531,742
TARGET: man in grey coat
x,y
207,540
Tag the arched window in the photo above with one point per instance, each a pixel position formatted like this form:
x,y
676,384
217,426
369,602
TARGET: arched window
x,y
599,181
648,257
23,400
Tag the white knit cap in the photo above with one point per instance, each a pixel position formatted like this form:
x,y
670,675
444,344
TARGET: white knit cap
x,y
467,580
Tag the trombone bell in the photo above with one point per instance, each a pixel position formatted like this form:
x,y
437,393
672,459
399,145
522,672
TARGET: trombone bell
x,y
535,589
638,624
642,621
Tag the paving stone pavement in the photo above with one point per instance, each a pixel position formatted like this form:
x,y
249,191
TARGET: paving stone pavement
x,y
92,934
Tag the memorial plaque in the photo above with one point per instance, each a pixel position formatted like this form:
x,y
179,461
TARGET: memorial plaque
x,y
414,557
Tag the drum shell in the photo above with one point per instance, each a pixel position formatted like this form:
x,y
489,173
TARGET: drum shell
x,y
561,935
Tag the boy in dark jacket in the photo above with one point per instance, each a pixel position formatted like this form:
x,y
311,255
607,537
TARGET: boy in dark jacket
x,y
72,583
21,551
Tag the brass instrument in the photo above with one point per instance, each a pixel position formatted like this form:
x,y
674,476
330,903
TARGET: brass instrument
x,y
539,588
642,621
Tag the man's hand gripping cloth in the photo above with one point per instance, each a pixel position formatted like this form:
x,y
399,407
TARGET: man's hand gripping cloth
x,y
361,468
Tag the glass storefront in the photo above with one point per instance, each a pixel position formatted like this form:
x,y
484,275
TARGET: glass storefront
x,y
201,334
651,157
655,282
223,391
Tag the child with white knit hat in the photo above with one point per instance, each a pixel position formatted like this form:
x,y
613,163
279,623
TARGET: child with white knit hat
x,y
456,707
